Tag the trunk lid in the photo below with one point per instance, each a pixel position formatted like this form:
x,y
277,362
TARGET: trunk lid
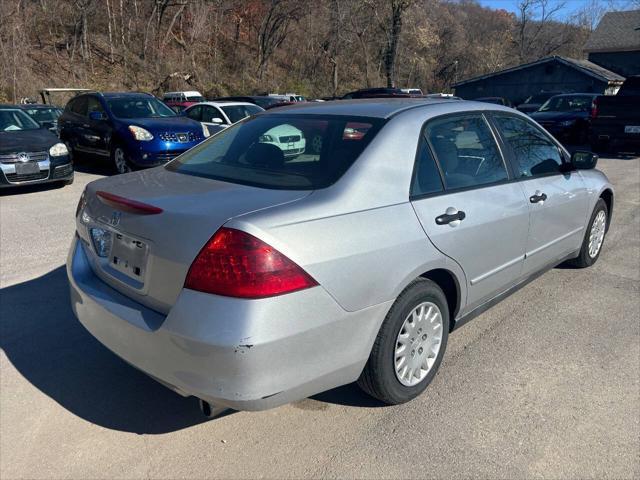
x,y
193,209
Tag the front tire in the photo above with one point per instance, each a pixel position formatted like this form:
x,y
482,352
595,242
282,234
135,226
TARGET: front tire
x,y
410,345
120,161
593,237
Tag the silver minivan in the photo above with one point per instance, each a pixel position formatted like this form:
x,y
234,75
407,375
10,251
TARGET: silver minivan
x,y
250,278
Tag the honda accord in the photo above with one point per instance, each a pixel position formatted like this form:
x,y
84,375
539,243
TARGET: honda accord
x,y
250,279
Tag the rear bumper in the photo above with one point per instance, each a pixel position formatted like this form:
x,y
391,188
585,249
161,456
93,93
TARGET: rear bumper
x,y
241,354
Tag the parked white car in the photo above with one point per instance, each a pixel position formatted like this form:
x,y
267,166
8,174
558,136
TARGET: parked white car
x,y
215,116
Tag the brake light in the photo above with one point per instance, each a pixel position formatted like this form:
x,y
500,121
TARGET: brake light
x,y
594,108
127,205
236,264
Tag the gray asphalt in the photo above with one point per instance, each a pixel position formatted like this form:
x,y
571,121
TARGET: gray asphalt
x,y
544,385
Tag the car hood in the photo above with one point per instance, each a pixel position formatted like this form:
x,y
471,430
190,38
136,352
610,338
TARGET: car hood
x,y
166,124
27,141
558,116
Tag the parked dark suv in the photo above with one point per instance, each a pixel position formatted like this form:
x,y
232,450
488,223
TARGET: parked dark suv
x,y
133,130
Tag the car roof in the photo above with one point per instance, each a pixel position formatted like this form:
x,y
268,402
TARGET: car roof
x,y
370,107
123,94
226,103
577,95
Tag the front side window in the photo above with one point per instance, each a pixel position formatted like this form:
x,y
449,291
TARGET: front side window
x,y
238,112
93,105
14,120
79,106
210,114
194,113
466,150
138,107
534,152
274,151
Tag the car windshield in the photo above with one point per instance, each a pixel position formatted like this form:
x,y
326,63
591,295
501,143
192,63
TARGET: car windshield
x,y
540,98
42,115
299,152
14,120
238,112
567,104
139,107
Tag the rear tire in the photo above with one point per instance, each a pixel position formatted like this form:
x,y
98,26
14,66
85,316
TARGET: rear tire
x,y
423,345
593,237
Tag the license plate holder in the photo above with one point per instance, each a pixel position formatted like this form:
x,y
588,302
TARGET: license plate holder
x,y
632,129
129,256
27,168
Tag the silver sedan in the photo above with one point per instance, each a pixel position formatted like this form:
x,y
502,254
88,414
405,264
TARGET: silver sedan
x,y
249,278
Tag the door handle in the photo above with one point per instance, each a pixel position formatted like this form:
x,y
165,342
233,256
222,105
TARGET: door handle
x,y
451,217
538,197
86,125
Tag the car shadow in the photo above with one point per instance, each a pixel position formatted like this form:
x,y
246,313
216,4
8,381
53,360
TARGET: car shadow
x,y
47,345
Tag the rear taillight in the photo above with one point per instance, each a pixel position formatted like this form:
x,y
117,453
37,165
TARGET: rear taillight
x,y
236,264
81,203
594,108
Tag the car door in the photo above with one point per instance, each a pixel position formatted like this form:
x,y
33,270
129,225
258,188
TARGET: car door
x,y
72,121
557,197
96,133
468,206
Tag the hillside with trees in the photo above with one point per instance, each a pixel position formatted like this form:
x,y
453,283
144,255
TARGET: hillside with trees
x,y
313,47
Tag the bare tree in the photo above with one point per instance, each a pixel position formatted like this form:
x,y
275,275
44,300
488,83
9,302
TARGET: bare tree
x,y
391,26
274,29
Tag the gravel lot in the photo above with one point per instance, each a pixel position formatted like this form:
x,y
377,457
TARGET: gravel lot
x,y
545,385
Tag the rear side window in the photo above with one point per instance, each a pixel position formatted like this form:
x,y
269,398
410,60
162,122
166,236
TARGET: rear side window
x,y
534,152
466,150
426,178
302,152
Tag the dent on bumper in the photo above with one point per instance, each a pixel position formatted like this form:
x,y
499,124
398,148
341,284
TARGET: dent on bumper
x,y
242,354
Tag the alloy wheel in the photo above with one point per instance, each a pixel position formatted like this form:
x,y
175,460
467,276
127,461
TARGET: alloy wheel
x,y
120,160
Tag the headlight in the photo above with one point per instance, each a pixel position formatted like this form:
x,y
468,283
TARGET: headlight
x,y
101,241
265,138
58,150
140,133
566,123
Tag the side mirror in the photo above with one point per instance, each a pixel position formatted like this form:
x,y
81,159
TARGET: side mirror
x,y
216,120
582,160
97,116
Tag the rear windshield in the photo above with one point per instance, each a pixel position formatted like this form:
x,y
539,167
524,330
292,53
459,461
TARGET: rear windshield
x,y
301,152
44,114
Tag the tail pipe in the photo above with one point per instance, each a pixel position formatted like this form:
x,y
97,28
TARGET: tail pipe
x,y
209,410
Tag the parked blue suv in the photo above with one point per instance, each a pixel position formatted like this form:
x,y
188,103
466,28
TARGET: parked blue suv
x,y
133,130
